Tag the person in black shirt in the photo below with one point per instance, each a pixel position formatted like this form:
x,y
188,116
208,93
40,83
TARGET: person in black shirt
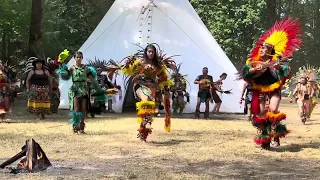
x,y
205,82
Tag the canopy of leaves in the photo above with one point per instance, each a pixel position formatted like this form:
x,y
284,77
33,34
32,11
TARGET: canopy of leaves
x,y
235,24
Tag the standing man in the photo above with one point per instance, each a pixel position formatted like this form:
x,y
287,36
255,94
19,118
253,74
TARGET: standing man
x,y
204,95
217,87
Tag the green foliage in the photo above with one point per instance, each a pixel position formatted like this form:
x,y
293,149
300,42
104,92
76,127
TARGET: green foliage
x,y
66,24
14,18
70,22
235,24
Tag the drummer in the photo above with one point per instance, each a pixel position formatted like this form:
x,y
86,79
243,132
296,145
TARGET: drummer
x,y
205,82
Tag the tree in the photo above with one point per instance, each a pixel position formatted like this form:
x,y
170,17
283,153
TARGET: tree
x,y
14,17
35,48
235,24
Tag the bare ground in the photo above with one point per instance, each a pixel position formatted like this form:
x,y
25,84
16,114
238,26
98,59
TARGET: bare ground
x,y
219,148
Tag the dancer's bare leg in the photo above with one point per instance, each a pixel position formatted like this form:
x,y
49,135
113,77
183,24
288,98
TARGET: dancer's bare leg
x,y
206,113
249,111
76,108
216,108
145,127
262,104
84,108
198,108
110,106
274,103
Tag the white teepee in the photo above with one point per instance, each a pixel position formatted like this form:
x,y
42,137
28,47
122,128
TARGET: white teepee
x,y
177,28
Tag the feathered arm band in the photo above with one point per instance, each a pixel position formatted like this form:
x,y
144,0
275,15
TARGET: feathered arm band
x,y
130,66
163,79
64,72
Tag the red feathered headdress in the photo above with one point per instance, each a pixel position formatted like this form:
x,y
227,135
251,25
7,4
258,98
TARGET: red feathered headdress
x,y
283,37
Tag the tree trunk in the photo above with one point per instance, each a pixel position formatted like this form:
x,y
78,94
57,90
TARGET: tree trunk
x,y
7,56
272,12
35,46
3,46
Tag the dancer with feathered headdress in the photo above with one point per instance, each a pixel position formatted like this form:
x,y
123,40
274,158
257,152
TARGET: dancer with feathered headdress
x,y
267,71
179,91
148,70
303,87
98,105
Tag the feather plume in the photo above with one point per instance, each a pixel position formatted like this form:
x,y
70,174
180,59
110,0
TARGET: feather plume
x,y
284,36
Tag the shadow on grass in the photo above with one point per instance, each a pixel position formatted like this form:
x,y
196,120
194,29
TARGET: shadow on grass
x,y
222,116
297,147
263,168
170,142
310,124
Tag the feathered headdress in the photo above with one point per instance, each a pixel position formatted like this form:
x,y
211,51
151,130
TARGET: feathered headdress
x,y
283,38
97,63
176,72
51,66
62,58
164,60
311,73
29,65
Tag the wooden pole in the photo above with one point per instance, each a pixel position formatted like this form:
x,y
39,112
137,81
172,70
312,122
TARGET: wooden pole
x,y
14,158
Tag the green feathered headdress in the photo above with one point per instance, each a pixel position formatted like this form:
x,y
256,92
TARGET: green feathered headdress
x,y
93,72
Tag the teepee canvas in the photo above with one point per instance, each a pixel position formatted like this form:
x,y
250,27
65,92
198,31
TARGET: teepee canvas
x,y
177,28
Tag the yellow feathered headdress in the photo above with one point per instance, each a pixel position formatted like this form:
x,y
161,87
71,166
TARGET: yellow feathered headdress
x,y
63,56
311,73
283,37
